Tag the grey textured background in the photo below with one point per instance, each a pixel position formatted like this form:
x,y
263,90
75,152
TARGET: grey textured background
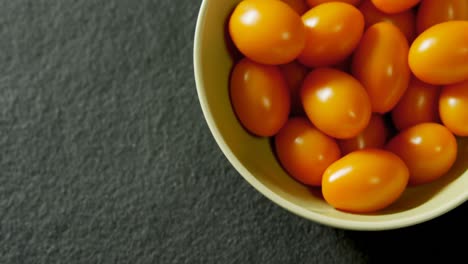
x,y
105,156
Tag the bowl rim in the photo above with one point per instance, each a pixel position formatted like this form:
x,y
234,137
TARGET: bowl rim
x,y
272,196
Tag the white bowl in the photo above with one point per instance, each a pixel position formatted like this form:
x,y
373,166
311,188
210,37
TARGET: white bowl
x,y
254,159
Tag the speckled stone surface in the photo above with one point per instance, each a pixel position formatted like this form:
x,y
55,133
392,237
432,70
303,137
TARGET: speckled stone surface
x,y
105,156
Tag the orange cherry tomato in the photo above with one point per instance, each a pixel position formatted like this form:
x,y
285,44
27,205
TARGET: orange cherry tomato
x,y
313,3
365,181
432,12
381,64
295,74
453,108
268,32
395,6
405,21
336,103
260,97
439,55
304,151
333,31
418,105
429,150
375,135
300,6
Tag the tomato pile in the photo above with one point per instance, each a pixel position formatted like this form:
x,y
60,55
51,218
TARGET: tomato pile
x,y
361,98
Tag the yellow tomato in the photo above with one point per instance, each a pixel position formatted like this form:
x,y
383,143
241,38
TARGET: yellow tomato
x,y
336,103
395,6
418,105
313,3
453,108
439,55
375,135
365,181
433,12
429,150
260,97
333,31
381,64
304,151
405,21
268,32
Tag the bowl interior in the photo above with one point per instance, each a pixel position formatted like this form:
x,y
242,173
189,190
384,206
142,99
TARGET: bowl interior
x,y
255,161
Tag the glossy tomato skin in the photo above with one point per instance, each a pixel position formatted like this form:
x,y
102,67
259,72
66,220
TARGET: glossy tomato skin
x,y
375,135
313,3
405,21
439,55
336,103
453,108
418,105
365,181
260,97
295,73
432,12
393,7
333,31
268,32
380,64
429,150
300,6
304,151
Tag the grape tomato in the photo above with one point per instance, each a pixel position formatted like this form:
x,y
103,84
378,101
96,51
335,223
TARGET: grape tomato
x,y
365,181
439,55
418,105
333,31
453,108
433,12
313,3
260,97
336,103
380,63
405,21
395,6
429,150
304,151
375,135
268,32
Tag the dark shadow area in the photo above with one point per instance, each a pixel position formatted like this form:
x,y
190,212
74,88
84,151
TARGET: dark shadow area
x,y
443,238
